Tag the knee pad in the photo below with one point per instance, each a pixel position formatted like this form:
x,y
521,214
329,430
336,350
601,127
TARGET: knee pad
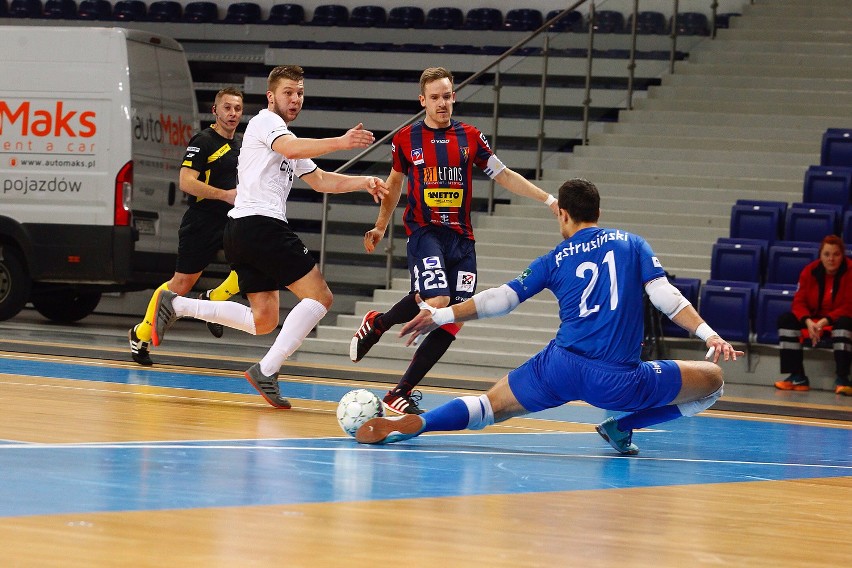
x,y
696,406
479,412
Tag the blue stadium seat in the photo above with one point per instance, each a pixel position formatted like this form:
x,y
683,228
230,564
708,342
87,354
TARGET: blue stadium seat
x,y
690,288
772,301
25,9
836,147
828,184
243,13
444,18
649,23
724,20
574,21
201,12
523,20
330,15
811,222
727,307
130,11
757,221
483,19
368,17
846,227
165,11
60,9
737,261
95,10
609,22
406,17
286,14
692,24
4,9
785,261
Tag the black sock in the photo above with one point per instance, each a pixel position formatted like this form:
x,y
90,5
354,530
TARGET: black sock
x,y
429,352
401,312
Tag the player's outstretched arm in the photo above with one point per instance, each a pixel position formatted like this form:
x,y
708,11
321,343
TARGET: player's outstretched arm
x,y
517,184
489,303
297,148
389,203
331,182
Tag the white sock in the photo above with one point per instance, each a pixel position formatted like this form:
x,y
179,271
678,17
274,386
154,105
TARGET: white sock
x,y
297,325
231,314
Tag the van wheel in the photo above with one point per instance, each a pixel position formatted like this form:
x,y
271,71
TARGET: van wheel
x,y
65,306
15,283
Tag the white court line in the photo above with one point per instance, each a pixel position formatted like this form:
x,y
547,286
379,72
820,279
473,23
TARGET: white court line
x,y
362,448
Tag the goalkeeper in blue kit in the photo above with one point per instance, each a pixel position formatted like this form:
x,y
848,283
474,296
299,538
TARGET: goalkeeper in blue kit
x,y
598,276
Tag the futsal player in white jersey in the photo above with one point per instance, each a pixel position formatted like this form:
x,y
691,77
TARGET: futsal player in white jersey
x,y
598,276
259,244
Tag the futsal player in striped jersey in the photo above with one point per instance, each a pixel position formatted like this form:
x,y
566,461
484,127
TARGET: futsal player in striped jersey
x,y
435,158
598,276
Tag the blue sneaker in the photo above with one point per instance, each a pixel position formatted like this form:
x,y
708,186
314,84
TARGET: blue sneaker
x,y
390,430
621,441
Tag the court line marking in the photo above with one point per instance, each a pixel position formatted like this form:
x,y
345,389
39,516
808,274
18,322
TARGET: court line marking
x,y
361,448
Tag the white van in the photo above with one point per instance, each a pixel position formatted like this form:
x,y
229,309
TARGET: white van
x,y
93,125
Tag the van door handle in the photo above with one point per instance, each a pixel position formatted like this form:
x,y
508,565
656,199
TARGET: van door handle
x,y
172,193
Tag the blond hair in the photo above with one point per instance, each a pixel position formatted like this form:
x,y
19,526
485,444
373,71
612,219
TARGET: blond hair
x,y
433,74
292,72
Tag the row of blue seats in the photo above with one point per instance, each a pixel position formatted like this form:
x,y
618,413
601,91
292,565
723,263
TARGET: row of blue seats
x,y
738,311
753,260
521,19
776,220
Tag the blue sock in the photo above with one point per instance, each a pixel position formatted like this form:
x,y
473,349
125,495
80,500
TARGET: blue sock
x,y
447,417
648,417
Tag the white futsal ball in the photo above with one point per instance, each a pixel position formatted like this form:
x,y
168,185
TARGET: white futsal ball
x,y
356,407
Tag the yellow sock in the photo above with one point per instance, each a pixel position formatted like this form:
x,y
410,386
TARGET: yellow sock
x,y
226,289
143,330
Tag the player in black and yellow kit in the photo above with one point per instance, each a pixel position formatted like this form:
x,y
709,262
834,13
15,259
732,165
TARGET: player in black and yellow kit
x,y
208,174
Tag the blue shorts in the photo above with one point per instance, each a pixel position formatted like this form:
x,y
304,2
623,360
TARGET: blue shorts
x,y
554,376
442,262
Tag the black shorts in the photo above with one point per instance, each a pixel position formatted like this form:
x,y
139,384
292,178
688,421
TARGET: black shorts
x,y
266,253
199,239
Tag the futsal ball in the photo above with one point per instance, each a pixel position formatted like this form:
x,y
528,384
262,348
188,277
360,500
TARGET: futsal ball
x,y
356,407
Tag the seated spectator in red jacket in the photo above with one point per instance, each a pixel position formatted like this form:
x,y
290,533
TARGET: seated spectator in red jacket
x,y
821,307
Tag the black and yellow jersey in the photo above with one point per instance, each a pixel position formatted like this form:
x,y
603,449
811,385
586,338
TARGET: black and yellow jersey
x,y
215,157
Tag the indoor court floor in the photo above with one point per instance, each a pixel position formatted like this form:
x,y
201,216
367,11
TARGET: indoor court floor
x,y
106,463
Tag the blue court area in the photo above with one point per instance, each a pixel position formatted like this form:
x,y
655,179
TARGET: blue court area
x,y
37,479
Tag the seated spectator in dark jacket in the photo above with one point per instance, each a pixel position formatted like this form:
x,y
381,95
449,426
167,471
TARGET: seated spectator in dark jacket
x,y
822,308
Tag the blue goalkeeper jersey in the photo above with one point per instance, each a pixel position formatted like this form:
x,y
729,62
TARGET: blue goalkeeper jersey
x,y
598,276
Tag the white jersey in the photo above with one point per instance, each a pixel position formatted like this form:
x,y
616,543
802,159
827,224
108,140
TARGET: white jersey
x,y
265,177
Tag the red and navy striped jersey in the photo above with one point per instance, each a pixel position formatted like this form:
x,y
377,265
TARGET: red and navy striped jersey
x,y
438,164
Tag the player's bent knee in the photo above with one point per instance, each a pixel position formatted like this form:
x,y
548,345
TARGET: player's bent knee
x,y
694,407
479,411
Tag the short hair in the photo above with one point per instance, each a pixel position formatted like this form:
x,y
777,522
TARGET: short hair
x,y
233,91
292,72
433,74
580,198
831,240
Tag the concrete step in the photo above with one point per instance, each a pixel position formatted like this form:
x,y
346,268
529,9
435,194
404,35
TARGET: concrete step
x,y
820,23
837,111
702,119
739,31
746,70
778,45
510,226
639,205
728,95
651,132
826,61
697,155
663,142
668,183
839,83
682,167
